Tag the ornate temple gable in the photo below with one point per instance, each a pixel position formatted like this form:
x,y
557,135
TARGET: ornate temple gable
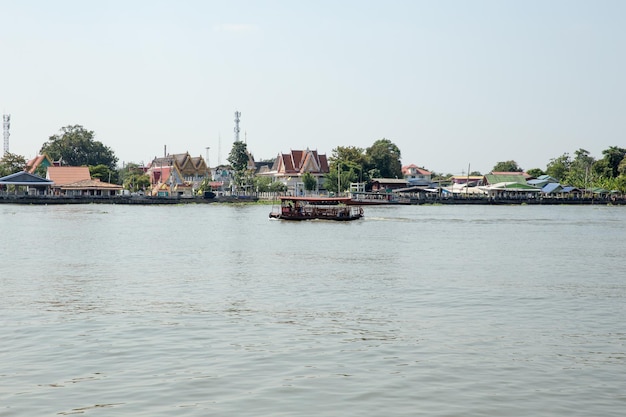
x,y
277,163
285,163
298,162
184,164
199,163
176,176
310,163
40,160
251,163
297,158
323,160
181,159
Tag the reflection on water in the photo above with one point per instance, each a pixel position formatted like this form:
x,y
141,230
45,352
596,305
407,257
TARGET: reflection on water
x,y
215,310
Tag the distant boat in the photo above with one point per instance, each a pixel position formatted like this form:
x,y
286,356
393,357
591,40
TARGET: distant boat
x,y
320,208
370,199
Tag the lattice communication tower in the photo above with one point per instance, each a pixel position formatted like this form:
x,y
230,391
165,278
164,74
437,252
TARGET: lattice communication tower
x,y
237,116
6,123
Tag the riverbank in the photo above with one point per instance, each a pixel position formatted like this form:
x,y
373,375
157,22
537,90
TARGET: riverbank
x,y
148,200
121,199
545,201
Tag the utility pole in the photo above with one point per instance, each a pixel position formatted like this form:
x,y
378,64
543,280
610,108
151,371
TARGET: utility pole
x,y
208,165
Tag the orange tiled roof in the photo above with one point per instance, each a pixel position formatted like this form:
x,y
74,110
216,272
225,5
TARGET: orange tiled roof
x,y
406,169
92,184
67,175
295,162
524,174
32,165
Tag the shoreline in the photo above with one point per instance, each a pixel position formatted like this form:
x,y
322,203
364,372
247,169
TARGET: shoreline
x,y
128,200
148,200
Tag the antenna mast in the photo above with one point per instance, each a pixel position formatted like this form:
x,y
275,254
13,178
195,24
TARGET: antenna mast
x,y
237,116
219,150
6,122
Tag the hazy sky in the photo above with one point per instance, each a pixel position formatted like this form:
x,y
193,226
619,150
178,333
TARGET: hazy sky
x,y
451,83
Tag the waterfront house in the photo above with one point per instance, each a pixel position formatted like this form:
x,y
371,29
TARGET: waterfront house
x,y
288,168
572,192
542,180
77,181
25,183
511,190
465,189
387,184
523,174
504,177
90,187
470,180
415,175
41,163
551,188
177,174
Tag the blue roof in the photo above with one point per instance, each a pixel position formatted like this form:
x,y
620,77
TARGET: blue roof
x,y
25,178
569,189
551,187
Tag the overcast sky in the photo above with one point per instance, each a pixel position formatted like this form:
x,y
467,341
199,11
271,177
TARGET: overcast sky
x,y
452,83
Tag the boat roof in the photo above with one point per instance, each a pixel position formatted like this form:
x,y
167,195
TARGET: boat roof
x,y
318,200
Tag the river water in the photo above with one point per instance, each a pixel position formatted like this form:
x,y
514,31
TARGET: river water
x,y
215,310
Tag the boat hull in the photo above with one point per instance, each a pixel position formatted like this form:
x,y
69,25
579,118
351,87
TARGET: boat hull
x,y
316,208
296,217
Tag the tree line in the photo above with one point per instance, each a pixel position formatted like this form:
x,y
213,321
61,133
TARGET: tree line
x,y
74,145
347,164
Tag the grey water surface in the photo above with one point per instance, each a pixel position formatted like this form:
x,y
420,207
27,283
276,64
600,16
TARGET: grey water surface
x,y
215,310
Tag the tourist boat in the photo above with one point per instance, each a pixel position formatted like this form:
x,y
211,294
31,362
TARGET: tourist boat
x,y
322,208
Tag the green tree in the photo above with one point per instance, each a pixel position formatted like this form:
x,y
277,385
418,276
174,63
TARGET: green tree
x,y
612,159
349,159
350,172
75,146
265,184
374,173
535,172
104,173
142,182
11,163
507,166
622,167
349,153
384,156
559,167
580,174
310,182
332,183
132,177
205,185
621,183
278,187
438,176
129,169
262,184
238,159
601,169
611,184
